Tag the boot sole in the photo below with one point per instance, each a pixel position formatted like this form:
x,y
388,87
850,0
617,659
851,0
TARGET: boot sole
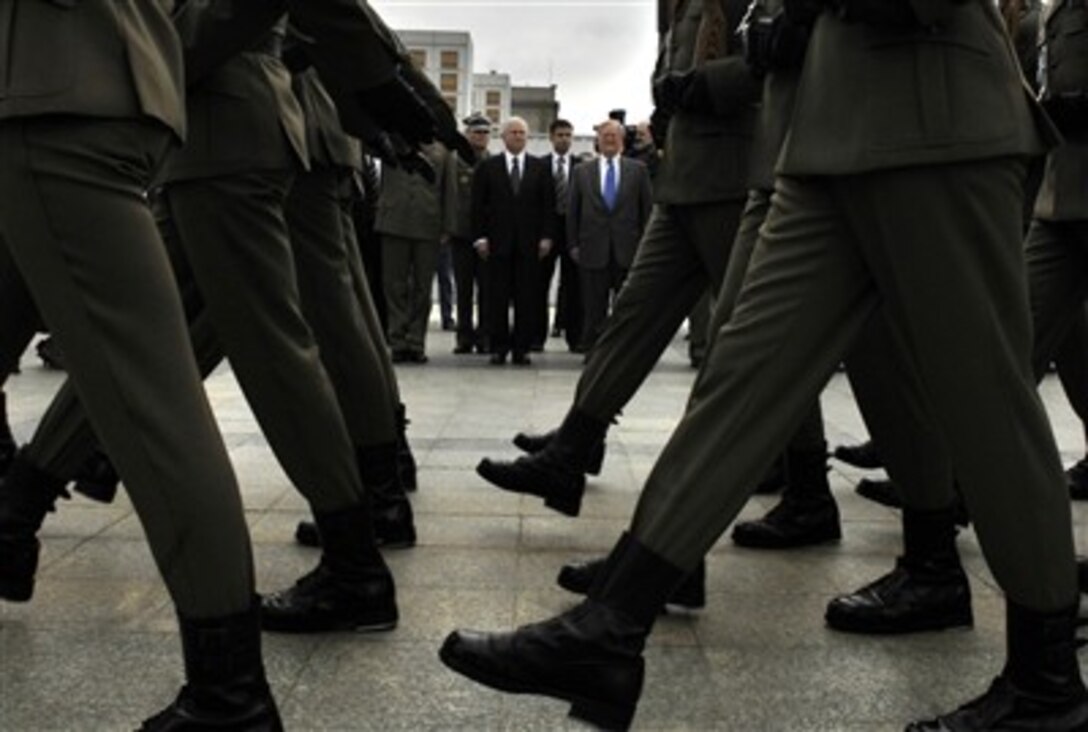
x,y
270,625
601,714
947,621
750,542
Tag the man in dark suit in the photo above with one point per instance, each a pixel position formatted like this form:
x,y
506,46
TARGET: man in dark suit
x,y
609,206
513,214
568,301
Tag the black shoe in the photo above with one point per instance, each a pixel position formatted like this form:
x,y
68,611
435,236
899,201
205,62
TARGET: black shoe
x,y
350,589
27,494
416,357
462,348
905,601
1040,688
590,656
1077,477
522,359
578,577
97,479
225,686
538,475
406,461
792,523
863,456
498,359
533,444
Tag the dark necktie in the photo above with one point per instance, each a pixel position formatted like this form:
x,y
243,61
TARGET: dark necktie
x,y
610,185
561,186
515,176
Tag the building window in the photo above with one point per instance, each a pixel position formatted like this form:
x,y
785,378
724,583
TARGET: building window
x,y
448,83
418,57
451,59
494,114
494,98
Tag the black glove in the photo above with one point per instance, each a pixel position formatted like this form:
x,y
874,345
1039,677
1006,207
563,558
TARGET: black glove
x,y
395,107
881,13
772,42
683,90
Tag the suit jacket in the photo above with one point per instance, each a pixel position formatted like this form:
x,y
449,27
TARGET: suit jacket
x,y
243,117
408,204
706,154
512,222
99,58
869,97
600,234
329,146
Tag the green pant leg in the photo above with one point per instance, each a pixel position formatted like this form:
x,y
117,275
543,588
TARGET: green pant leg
x,y
1057,262
950,270
87,246
1071,360
424,265
19,319
329,302
699,326
805,296
396,273
233,231
683,251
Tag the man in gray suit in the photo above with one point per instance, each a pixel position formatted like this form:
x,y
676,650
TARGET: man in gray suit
x,y
609,206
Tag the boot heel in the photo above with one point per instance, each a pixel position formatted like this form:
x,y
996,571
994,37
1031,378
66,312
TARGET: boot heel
x,y
569,504
603,715
16,590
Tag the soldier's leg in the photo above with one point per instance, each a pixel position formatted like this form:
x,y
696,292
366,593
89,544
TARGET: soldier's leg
x,y
424,266
19,319
698,329
1071,360
91,255
396,269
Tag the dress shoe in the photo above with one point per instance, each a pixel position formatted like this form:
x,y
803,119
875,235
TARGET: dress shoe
x,y
591,655
498,359
462,348
794,522
1040,688
350,589
1077,477
522,359
863,456
225,686
578,577
908,600
535,443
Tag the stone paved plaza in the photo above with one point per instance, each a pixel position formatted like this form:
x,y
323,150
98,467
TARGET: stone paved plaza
x,y
96,648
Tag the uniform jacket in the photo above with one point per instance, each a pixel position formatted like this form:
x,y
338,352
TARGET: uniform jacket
x,y
599,234
100,58
512,222
410,206
329,146
868,97
243,117
706,155
458,196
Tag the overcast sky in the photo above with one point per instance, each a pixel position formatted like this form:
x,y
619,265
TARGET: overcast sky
x,y
599,53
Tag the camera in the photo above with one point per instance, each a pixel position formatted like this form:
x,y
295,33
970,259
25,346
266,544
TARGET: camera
x,y
630,132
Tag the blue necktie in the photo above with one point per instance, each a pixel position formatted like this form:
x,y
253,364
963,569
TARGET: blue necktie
x,y
610,185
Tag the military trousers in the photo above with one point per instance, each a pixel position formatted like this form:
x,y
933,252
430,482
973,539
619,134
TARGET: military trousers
x,y
235,236
683,252
938,248
408,269
324,247
1071,361
84,241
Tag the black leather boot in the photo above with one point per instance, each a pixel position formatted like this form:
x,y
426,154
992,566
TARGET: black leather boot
x,y
578,577
27,493
1040,688
863,456
557,472
533,444
807,513
350,589
927,590
394,524
225,686
591,655
406,461
775,479
7,440
1077,477
97,478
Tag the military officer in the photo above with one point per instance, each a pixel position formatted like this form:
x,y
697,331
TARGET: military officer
x,y
866,199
